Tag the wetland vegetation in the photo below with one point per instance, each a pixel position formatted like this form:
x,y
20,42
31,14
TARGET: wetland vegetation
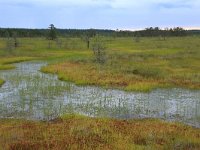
x,y
130,65
79,132
161,78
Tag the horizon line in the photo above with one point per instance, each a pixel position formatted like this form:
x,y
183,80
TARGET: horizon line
x,y
118,29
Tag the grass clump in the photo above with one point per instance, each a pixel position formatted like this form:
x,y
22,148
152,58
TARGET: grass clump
x,y
1,82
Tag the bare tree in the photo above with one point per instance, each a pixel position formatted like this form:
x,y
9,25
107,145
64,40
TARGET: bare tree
x,y
87,37
99,48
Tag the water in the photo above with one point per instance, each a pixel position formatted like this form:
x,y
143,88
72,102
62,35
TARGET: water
x,y
30,94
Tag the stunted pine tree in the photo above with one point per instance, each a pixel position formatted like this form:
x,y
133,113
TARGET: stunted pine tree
x,y
52,32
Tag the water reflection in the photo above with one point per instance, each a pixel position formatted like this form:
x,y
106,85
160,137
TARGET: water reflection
x,y
31,94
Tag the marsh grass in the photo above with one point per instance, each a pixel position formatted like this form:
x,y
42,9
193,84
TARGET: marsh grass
x,y
6,63
135,66
31,94
28,90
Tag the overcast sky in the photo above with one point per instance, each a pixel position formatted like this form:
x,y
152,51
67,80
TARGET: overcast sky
x,y
103,14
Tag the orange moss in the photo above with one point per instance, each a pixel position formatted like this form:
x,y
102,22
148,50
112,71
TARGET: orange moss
x,y
75,132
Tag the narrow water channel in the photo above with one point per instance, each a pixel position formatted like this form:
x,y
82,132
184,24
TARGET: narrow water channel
x,y
30,94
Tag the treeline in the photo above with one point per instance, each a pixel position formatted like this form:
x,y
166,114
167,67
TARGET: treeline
x,y
153,32
10,32
148,32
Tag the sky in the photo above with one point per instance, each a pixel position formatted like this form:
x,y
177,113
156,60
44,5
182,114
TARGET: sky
x,y
101,14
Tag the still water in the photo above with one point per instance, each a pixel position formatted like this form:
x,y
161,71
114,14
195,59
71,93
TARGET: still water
x,y
30,94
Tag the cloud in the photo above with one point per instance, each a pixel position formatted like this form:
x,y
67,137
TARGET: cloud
x,y
178,4
112,3
172,6
99,13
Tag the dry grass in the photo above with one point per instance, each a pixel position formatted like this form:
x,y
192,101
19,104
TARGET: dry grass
x,y
89,74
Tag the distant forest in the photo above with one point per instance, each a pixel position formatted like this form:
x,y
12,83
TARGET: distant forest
x,y
148,32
